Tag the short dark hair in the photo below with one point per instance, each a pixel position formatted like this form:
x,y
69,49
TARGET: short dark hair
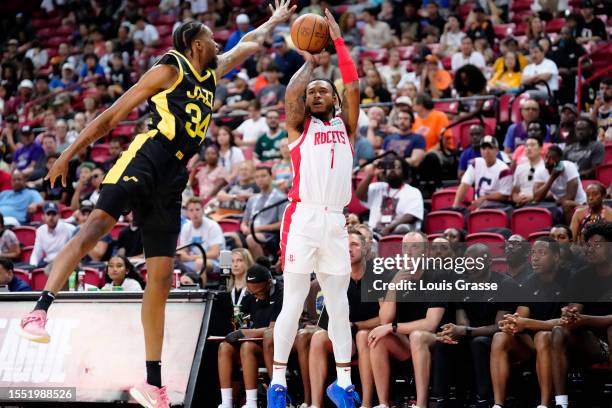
x,y
607,81
591,124
194,200
54,155
552,244
566,228
425,100
90,55
185,34
536,45
539,122
6,263
265,168
556,150
49,135
602,228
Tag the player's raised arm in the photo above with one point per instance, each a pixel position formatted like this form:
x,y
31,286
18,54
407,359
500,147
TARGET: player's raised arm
x,y
253,40
295,107
350,98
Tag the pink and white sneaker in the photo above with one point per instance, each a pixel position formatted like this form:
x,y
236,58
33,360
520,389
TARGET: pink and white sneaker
x,y
33,327
150,396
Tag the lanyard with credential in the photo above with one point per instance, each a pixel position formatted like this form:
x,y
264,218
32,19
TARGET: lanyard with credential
x,y
238,302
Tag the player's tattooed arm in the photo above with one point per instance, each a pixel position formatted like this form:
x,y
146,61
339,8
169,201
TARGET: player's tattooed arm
x,y
236,56
294,99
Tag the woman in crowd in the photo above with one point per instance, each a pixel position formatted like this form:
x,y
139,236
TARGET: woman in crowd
x,y
281,171
230,156
120,273
348,26
508,80
241,262
233,198
208,177
594,211
452,35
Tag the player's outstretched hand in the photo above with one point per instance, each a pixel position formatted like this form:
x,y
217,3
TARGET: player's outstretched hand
x,y
281,11
308,57
59,169
334,28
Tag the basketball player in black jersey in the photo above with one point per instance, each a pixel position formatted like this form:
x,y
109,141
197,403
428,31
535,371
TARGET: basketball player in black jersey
x,y
150,176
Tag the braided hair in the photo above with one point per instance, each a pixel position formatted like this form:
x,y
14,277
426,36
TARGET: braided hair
x,y
334,90
185,34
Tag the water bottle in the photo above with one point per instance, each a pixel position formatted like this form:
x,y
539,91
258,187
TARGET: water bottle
x,y
72,281
81,284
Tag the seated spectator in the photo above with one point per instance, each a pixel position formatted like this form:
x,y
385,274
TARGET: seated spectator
x,y
407,145
63,139
452,35
91,69
268,146
536,128
282,171
233,198
433,16
267,224
481,25
114,151
509,78
414,77
67,80
429,123
470,81
362,146
239,96
286,59
145,32
376,34
325,69
376,130
26,156
17,103
593,212
8,277
89,185
129,242
454,235
272,95
591,28
509,44
477,132
119,77
375,90
467,55
490,177
17,204
49,147
435,80
601,113
51,237
559,181
263,303
229,154
121,275
237,284
517,132
523,178
535,30
393,71
517,255
566,131
48,193
395,207
253,128
566,54
350,31
207,178
103,248
9,244
206,232
541,69
562,234
587,152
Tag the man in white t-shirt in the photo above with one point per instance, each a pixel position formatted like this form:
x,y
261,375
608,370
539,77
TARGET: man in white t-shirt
x,y
560,181
490,177
467,55
204,231
395,207
255,126
540,69
523,179
146,32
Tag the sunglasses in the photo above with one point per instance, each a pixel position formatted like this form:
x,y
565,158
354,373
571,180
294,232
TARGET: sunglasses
x,y
531,172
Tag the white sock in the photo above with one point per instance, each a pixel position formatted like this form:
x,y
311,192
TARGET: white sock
x,y
279,375
344,376
227,397
497,406
561,400
541,406
251,398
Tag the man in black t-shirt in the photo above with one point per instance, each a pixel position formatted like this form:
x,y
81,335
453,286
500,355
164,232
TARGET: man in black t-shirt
x,y
591,28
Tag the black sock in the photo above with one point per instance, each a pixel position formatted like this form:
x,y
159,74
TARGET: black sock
x,y
44,301
154,373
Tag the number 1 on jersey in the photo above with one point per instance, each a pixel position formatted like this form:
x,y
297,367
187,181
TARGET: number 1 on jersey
x,y
197,127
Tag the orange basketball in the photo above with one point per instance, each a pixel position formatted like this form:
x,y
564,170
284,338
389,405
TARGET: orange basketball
x,y
310,32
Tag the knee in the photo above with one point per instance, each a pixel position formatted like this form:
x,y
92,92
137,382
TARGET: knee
x,y
225,350
251,241
302,339
318,340
558,336
500,342
268,339
542,340
361,339
419,339
247,350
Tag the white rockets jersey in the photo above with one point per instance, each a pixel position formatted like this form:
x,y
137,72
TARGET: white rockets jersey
x,y
322,160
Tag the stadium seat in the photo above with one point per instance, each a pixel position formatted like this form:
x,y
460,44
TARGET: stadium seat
x,y
124,130
37,217
527,220
222,35
504,108
165,42
464,130
487,218
26,253
608,156
516,115
229,225
375,55
604,174
22,274
38,279
390,246
503,30
405,53
117,229
66,212
499,265
495,242
25,235
438,221
99,153
164,30
535,235
442,199
450,108
431,237
93,277
586,183
165,19
555,25
354,206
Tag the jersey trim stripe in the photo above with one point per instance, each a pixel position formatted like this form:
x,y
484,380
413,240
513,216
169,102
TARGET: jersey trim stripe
x,y
287,218
199,77
167,124
296,160
115,173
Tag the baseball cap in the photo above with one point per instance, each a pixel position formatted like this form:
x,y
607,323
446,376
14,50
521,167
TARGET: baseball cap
x,y
571,107
68,66
432,58
242,76
403,100
258,273
490,141
86,205
586,4
51,207
26,130
277,41
26,83
418,59
13,41
242,19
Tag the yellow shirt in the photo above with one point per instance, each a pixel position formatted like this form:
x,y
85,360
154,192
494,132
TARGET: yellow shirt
x,y
509,79
498,65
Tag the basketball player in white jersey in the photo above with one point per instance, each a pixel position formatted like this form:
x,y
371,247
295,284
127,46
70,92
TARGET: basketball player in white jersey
x,y
313,234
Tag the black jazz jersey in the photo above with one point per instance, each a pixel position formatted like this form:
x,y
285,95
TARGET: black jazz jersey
x,y
182,113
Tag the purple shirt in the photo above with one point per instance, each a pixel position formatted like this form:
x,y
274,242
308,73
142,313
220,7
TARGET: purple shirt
x,y
27,154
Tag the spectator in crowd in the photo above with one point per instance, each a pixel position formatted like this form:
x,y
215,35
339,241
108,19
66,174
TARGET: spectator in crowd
x,y
536,128
268,146
51,237
541,69
593,212
237,284
415,77
407,145
566,55
376,130
566,131
435,80
454,235
490,177
8,277
348,27
85,187
92,68
25,94
376,34
119,77
363,147
37,55
206,232
207,178
393,71
325,69
19,202
452,35
430,122
57,193
229,154
559,181
240,96
114,151
287,60
433,16
61,132
243,26
509,78
477,132
103,247
374,90
27,155
467,55
363,317
129,242
233,198
282,171
263,303
535,30
395,207
67,81
480,25
267,224
272,96
601,113
591,28
145,32
517,132
509,44
516,251
587,152
561,233
121,275
49,147
253,128
523,178
9,244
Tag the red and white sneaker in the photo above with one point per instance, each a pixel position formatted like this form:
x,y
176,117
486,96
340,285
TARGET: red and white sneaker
x,y
150,396
33,327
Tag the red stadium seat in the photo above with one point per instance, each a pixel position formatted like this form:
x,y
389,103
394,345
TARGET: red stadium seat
x,y
521,5
486,218
22,274
38,279
229,225
375,55
46,32
117,229
354,206
93,277
124,130
504,107
248,152
165,19
608,157
26,253
469,196
555,25
535,235
66,212
99,153
431,237
442,199
222,35
164,30
604,174
499,265
485,238
503,30
165,42
516,115
450,108
405,53
390,246
438,221
25,235
527,220
586,183
464,130
64,30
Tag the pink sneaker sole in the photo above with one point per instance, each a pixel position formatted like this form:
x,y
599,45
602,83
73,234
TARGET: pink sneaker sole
x,y
33,337
140,398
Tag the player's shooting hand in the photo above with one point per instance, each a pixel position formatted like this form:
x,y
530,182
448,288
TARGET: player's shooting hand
x,y
308,57
281,11
59,169
334,28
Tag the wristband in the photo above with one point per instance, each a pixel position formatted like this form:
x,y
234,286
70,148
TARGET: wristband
x,y
468,332
345,62
394,326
